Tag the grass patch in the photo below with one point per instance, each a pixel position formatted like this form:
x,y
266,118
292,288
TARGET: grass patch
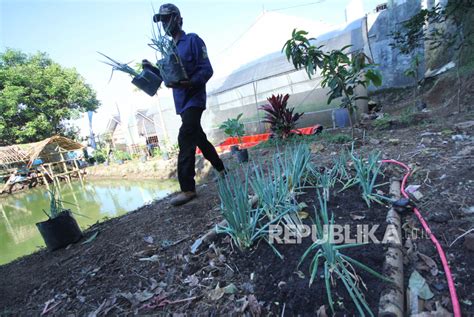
x,y
383,123
325,136
407,116
338,138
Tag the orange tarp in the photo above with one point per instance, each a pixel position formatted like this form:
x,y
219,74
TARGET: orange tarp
x,y
249,141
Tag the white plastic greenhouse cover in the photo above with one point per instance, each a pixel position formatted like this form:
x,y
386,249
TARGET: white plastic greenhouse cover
x,y
249,86
275,64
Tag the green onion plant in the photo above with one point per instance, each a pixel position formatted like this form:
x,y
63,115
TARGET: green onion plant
x,y
296,166
341,171
326,180
166,47
56,204
366,175
336,265
119,66
163,43
245,224
274,195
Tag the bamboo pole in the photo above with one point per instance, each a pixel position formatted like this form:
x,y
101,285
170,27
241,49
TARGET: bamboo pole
x,y
76,166
391,302
66,171
51,173
43,174
8,181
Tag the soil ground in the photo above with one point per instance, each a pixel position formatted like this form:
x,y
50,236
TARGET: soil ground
x,y
141,263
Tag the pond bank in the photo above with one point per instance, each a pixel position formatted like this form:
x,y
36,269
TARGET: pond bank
x,y
91,201
150,169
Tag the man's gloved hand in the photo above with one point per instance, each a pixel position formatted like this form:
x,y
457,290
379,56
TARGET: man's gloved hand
x,y
146,63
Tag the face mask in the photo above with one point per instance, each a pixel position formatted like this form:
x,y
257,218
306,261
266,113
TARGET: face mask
x,y
172,26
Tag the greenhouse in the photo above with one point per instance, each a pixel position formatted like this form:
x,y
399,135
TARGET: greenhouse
x,y
247,88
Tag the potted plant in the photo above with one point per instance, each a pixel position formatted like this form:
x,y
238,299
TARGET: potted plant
x,y
61,229
149,80
234,128
170,65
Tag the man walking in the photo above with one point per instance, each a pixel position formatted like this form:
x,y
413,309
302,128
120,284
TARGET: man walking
x,y
190,101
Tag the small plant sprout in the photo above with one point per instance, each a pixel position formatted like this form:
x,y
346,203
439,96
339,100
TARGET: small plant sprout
x,y
326,180
234,128
341,171
278,188
336,265
119,66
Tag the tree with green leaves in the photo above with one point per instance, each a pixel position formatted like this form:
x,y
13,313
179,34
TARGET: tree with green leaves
x,y
447,26
342,73
38,97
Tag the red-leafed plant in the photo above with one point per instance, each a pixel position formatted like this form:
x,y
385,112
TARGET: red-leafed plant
x,y
281,118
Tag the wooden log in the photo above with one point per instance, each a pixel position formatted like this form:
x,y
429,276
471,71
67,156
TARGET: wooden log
x,y
391,302
206,239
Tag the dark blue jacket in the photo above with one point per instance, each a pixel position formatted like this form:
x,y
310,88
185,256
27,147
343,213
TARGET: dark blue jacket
x,y
193,54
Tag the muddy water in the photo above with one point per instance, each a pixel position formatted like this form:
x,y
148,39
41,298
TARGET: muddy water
x,y
94,201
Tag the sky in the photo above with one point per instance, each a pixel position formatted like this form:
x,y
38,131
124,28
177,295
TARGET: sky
x,y
73,31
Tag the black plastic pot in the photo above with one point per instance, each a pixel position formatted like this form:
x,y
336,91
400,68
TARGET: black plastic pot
x,y
172,70
234,149
148,80
243,155
60,231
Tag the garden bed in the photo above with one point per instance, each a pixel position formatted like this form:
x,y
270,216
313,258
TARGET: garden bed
x,y
282,286
123,271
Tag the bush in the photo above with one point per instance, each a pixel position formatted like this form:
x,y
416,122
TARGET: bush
x,y
407,116
157,152
100,156
280,117
121,155
383,123
233,127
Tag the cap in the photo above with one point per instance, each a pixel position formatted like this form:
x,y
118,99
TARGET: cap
x,y
166,9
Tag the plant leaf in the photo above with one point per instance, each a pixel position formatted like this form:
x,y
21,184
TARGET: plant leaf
x,y
91,238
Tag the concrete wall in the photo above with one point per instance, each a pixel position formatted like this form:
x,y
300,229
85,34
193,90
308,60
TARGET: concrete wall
x,y
391,62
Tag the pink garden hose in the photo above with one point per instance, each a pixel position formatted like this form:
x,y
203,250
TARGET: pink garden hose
x,y
442,255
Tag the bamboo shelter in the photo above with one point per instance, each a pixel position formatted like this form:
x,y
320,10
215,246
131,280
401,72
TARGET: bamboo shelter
x,y
39,162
